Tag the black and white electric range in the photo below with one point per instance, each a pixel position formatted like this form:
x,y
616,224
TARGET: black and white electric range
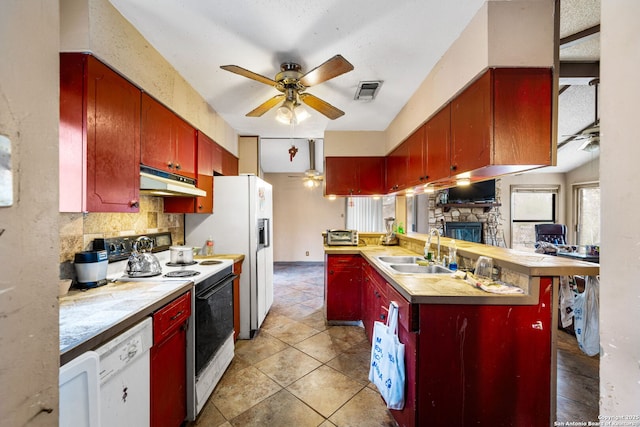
x,y
210,344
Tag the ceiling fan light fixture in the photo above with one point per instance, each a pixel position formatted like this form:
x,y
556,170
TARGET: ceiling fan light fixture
x,y
591,144
289,113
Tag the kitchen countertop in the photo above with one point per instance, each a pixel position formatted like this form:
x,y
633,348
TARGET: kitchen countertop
x,y
233,257
93,317
444,289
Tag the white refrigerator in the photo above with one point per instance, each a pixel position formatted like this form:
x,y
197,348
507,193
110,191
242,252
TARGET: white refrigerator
x,y
241,224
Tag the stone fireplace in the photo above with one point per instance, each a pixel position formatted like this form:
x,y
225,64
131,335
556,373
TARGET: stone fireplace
x,y
468,221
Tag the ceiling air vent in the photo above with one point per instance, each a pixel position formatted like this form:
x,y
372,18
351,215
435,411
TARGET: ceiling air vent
x,y
367,91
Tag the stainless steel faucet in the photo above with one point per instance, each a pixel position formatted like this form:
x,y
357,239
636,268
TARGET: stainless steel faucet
x,y
437,260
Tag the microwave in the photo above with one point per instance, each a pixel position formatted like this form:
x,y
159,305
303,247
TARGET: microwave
x,y
342,237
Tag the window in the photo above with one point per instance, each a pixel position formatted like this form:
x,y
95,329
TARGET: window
x,y
531,206
367,214
587,202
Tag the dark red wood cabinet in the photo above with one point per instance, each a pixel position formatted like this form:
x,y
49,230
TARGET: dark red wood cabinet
x,y
167,142
342,287
416,153
168,363
502,120
99,133
437,151
354,176
204,182
468,364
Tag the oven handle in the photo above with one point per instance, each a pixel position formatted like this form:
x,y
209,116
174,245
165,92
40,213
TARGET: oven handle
x,y
206,294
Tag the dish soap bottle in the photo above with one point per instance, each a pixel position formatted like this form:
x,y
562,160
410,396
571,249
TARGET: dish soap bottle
x,y
208,251
453,261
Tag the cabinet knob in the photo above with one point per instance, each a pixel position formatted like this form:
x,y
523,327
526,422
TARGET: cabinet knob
x,y
200,206
454,167
382,317
330,271
170,165
178,166
134,204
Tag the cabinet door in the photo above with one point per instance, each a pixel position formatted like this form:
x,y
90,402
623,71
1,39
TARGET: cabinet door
x,y
375,300
156,146
229,164
169,363
113,141
342,287
415,158
341,177
471,130
397,168
371,172
522,116
204,182
437,142
185,152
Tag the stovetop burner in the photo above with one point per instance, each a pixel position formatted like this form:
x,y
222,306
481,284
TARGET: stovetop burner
x,y
182,273
180,264
211,262
135,274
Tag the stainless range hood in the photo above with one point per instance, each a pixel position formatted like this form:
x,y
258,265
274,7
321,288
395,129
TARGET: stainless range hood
x,y
154,182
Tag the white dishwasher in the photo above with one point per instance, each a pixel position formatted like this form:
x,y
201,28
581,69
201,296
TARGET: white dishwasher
x,y
125,377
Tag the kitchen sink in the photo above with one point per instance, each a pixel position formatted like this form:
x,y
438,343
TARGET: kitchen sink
x,y
422,269
399,259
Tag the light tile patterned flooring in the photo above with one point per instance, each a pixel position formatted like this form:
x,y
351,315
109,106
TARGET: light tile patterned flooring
x,y
298,371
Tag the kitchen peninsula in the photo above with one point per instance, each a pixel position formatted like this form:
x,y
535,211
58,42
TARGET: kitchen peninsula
x,y
471,357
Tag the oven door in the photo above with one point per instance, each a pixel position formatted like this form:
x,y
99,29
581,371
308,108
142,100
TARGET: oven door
x,y
214,319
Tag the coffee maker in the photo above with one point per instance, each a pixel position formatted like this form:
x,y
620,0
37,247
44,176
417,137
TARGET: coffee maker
x,y
390,238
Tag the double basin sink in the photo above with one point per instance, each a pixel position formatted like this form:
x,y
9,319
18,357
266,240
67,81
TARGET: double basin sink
x,y
408,264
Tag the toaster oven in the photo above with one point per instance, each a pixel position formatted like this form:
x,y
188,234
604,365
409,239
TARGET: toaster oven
x,y
342,238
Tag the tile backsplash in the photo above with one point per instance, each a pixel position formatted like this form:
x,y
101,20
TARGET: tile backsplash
x,y
77,230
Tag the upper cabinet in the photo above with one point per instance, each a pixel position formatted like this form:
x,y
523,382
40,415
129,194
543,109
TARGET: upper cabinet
x,y
502,120
354,176
204,182
437,140
99,137
167,142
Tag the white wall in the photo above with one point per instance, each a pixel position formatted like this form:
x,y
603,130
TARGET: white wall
x,y
29,253
300,215
619,183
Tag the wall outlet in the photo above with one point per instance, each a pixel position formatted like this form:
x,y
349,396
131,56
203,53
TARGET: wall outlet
x,y
307,253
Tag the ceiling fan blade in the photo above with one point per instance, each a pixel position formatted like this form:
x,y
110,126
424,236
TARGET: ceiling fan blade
x,y
321,106
328,70
249,74
266,106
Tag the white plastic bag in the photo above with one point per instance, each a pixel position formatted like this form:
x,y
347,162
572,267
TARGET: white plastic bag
x,y
585,314
566,301
386,370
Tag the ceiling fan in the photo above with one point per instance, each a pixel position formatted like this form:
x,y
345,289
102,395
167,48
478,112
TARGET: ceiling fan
x,y
590,134
311,178
292,82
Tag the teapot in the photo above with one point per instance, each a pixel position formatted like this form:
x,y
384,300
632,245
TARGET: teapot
x,y
142,263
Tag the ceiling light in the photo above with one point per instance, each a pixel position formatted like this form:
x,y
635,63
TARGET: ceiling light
x,y
332,196
461,182
428,189
309,183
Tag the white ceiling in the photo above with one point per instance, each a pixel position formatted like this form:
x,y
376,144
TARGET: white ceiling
x,y
395,42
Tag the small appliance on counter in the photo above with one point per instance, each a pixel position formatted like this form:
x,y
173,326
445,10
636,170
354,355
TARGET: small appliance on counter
x,y
342,238
390,238
91,269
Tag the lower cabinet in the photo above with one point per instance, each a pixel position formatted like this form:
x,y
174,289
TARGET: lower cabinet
x,y
342,282
169,363
465,364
